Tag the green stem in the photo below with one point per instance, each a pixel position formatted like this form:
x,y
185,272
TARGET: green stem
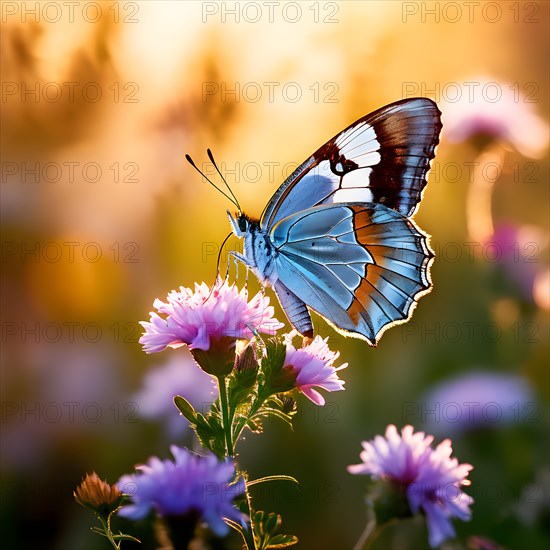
x,y
368,532
224,404
372,531
252,538
107,528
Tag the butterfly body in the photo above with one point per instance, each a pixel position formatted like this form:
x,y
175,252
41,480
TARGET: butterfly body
x,y
259,252
337,237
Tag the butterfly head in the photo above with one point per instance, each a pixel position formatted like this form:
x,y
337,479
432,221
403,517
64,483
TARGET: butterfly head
x,y
240,223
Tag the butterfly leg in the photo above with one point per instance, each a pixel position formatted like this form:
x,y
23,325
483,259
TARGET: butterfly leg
x,y
295,310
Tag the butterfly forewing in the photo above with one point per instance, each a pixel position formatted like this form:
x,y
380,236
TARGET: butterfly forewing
x,y
382,158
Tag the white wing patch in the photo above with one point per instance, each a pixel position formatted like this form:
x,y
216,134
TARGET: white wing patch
x,y
356,178
366,147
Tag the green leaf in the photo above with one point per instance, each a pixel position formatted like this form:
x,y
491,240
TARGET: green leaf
x,y
275,378
234,525
185,408
255,427
245,533
121,536
266,526
282,541
269,413
209,428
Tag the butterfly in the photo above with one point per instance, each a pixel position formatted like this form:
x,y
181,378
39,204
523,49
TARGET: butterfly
x,y
337,236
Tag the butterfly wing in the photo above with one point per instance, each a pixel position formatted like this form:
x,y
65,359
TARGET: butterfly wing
x,y
361,266
382,158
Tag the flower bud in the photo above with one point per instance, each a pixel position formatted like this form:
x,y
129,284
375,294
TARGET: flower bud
x,y
246,367
219,359
98,494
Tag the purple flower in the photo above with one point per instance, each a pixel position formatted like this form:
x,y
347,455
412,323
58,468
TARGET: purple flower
x,y
313,366
516,250
178,376
196,318
478,399
495,111
190,485
431,479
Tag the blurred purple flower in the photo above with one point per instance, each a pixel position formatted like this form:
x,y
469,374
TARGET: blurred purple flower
x,y
431,479
314,368
516,250
482,114
189,485
478,399
197,318
178,376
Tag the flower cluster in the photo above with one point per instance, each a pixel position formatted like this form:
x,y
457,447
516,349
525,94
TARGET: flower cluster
x,y
430,478
191,484
251,384
209,321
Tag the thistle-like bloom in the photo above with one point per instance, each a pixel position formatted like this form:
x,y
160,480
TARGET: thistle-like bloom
x,y
196,318
208,320
430,478
314,367
192,485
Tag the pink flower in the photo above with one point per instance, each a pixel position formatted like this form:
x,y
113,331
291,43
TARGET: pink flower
x,y
431,479
196,318
313,366
209,322
491,110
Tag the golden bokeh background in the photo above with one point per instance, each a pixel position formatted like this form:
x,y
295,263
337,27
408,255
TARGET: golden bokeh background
x,y
101,214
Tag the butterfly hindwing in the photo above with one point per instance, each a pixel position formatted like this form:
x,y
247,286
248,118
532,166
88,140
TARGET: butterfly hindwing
x,y
382,158
361,266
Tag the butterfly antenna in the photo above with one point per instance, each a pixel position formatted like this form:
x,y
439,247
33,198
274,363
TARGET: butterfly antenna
x,y
220,257
218,267
211,157
232,199
227,271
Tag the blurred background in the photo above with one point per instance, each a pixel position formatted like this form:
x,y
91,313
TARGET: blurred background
x,y
101,214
